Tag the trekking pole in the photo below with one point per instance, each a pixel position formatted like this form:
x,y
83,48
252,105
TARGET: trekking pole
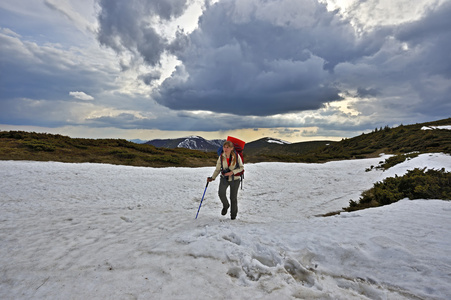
x,y
202,200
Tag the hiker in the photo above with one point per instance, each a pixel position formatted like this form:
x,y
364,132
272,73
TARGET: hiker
x,y
229,164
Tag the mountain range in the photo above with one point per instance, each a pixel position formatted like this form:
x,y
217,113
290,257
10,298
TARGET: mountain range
x,y
261,146
423,137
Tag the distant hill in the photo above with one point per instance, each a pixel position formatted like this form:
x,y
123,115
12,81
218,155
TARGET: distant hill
x,y
267,147
137,141
20,145
424,138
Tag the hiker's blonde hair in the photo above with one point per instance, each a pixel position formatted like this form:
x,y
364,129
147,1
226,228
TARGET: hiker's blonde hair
x,y
233,154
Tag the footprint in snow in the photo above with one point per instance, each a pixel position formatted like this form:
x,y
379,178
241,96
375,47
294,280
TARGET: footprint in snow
x,y
233,238
299,273
126,219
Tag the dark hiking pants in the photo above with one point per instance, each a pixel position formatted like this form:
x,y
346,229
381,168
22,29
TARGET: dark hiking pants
x,y
234,186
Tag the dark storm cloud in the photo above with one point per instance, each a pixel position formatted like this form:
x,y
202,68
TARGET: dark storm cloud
x,y
410,75
126,25
272,57
432,36
253,65
260,67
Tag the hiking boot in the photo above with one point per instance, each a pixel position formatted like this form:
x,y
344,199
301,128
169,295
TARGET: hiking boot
x,y
224,211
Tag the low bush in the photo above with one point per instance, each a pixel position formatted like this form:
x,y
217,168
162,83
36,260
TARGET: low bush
x,y
415,184
39,146
123,154
397,159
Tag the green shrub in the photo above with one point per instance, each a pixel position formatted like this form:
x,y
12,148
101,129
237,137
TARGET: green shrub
x,y
394,160
416,184
39,146
122,154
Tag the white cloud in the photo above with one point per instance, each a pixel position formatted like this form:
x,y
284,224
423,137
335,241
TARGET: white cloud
x,y
81,96
369,15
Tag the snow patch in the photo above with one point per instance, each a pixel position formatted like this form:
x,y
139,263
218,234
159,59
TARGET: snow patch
x,y
97,231
277,141
446,127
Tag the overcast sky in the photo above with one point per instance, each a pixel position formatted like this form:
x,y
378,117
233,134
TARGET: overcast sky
x,y
292,69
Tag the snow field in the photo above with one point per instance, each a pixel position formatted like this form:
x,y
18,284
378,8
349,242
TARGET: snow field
x,y
78,231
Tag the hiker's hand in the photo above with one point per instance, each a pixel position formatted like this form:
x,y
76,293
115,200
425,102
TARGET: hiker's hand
x,y
228,173
209,179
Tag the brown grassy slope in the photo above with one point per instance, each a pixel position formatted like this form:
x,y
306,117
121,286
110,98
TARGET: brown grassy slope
x,y
398,140
17,145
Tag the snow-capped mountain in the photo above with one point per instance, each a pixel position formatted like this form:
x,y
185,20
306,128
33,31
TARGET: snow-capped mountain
x,y
191,142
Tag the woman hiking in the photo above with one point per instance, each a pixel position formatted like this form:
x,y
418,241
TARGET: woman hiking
x,y
228,165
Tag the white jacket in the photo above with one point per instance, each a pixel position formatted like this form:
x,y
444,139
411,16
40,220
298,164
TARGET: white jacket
x,y
233,167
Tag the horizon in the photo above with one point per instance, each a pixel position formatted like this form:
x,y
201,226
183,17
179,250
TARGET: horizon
x,y
163,138
246,135
215,138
